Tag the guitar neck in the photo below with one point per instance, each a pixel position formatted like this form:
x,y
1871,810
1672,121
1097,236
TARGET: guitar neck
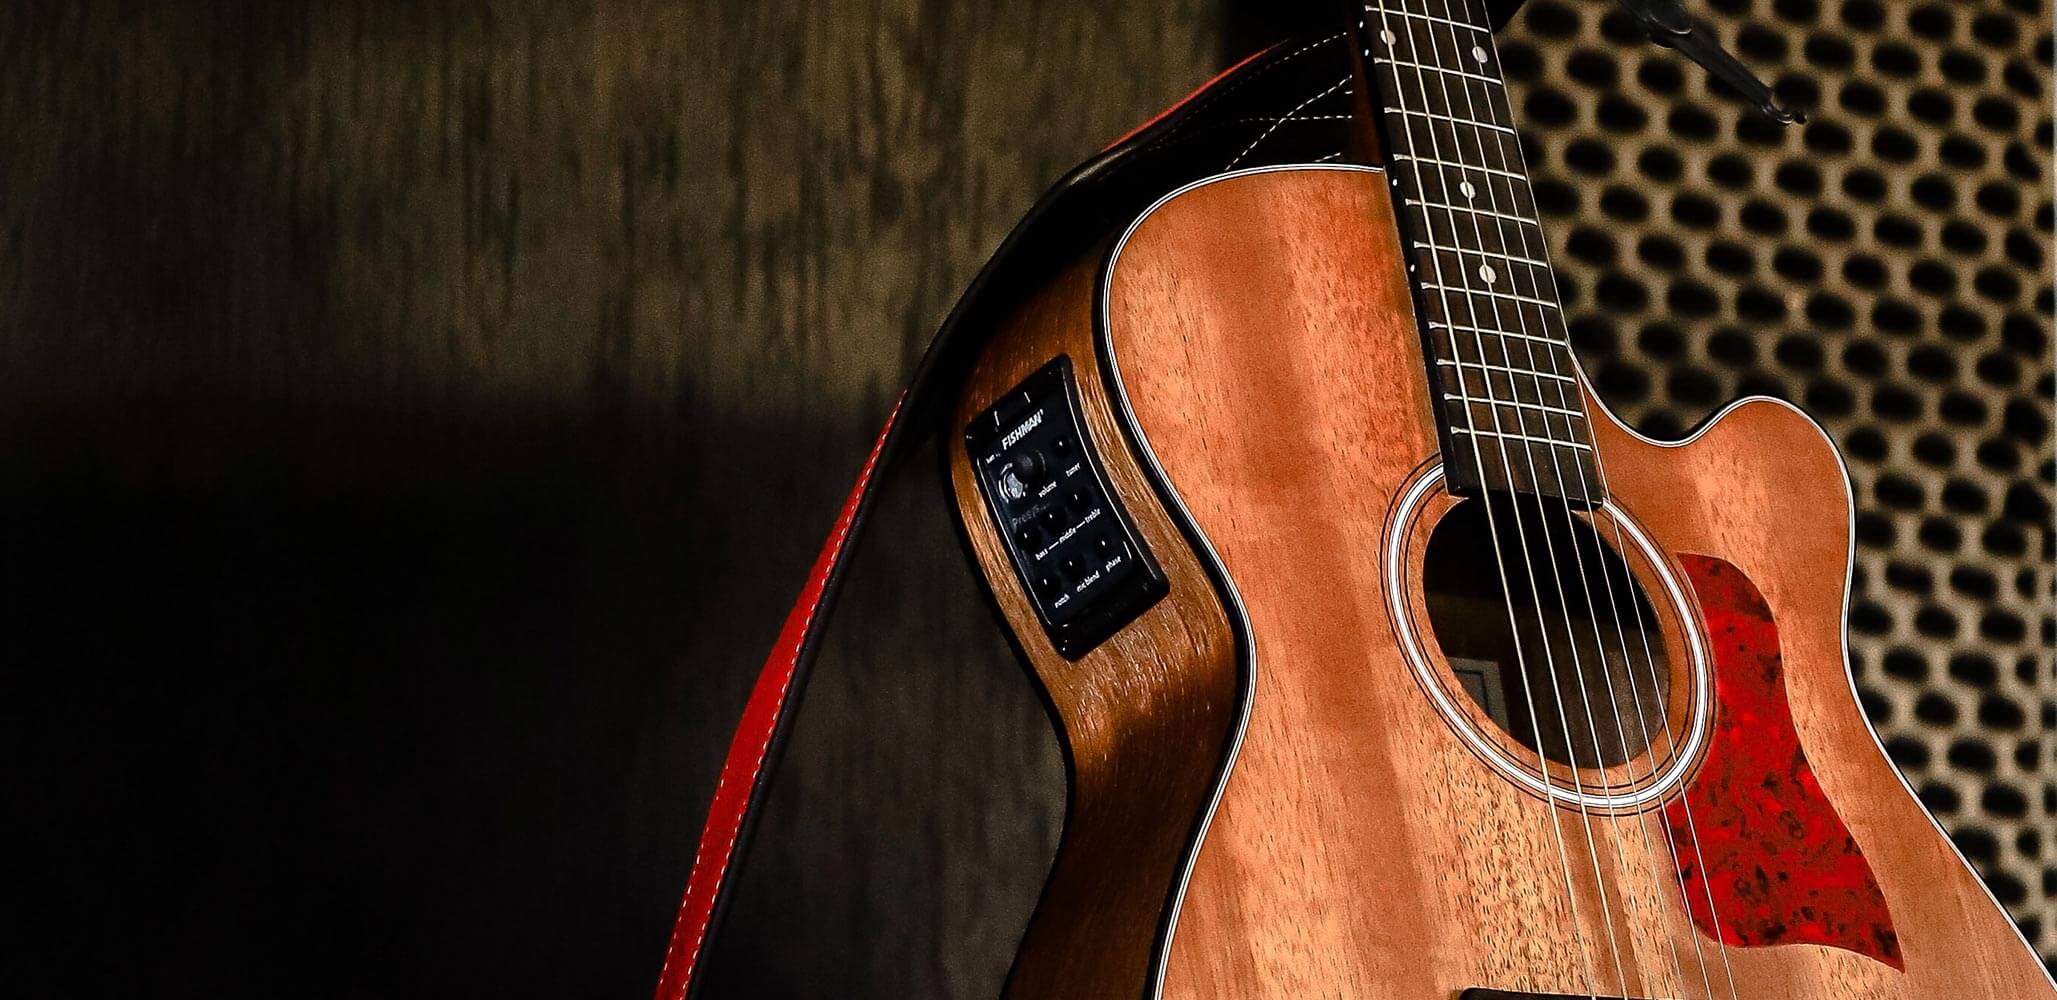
x,y
1511,413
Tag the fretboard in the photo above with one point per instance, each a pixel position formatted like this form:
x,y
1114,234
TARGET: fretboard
x,y
1511,414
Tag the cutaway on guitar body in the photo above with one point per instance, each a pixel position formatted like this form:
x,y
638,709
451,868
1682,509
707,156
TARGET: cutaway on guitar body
x,y
1268,798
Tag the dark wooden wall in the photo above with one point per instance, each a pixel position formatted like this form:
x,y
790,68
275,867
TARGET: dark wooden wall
x,y
414,420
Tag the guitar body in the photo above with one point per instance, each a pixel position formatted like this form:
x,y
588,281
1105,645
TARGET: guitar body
x,y
1274,793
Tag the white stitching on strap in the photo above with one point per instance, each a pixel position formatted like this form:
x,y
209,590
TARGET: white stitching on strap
x,y
1288,116
1297,118
1210,99
843,525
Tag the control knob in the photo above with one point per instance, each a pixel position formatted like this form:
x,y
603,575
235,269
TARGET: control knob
x,y
1030,467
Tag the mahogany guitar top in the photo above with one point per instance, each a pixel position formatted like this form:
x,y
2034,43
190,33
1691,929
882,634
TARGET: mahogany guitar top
x,y
1251,377
1264,339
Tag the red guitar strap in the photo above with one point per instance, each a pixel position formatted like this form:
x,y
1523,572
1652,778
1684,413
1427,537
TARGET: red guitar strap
x,y
736,790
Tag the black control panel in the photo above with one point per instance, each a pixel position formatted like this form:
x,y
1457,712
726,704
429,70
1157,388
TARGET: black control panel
x,y
1072,544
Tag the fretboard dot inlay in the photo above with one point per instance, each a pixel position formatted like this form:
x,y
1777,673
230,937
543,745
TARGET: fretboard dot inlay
x,y
1510,418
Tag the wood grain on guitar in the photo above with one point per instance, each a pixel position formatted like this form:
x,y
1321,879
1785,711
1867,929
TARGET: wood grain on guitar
x,y
1267,349
1143,720
1296,353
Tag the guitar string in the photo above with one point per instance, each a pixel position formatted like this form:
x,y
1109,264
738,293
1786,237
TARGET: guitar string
x,y
1640,820
1535,282
1649,660
1618,540
1389,37
1488,60
1537,275
1671,749
1612,820
1628,663
1650,668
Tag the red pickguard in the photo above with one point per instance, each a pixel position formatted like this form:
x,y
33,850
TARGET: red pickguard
x,y
1762,839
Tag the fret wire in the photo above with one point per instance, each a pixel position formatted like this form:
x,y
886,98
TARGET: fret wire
x,y
1509,258
1503,216
1509,296
1521,379
1500,134
1559,410
1480,195
1437,69
1483,102
1488,102
1449,104
1512,436
1538,338
1549,376
1434,143
1438,20
1433,117
1494,171
1493,105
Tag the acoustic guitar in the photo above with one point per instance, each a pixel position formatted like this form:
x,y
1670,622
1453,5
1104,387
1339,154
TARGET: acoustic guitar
x,y
1387,662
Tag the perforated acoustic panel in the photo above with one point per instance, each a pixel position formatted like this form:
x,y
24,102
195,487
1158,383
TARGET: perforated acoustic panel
x,y
1885,266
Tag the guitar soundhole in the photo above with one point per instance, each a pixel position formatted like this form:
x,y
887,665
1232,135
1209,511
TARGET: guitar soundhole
x,y
1561,650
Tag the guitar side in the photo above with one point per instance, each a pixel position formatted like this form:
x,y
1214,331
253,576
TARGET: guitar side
x,y
1146,721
